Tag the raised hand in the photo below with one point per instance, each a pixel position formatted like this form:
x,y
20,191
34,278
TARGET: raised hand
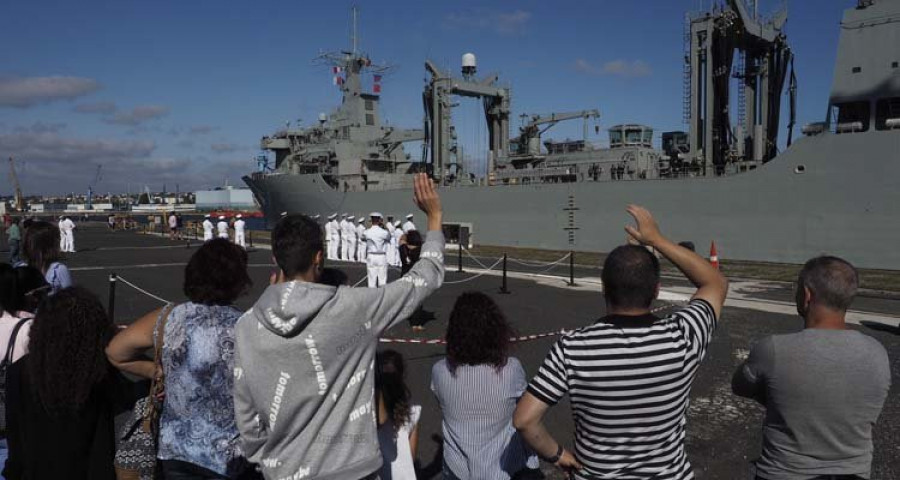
x,y
647,231
428,200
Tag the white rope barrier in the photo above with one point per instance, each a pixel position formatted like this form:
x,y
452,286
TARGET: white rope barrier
x,y
528,263
361,280
487,269
126,282
473,257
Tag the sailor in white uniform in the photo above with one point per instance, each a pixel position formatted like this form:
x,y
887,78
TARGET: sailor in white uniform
x,y
342,230
409,226
222,227
239,225
332,236
62,235
393,256
350,234
68,235
395,242
378,240
207,228
361,240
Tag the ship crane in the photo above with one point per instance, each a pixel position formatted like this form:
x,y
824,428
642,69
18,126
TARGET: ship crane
x,y
19,200
90,195
529,141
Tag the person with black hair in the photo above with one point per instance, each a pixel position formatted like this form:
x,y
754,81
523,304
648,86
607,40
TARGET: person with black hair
x,y
479,438
63,395
21,290
197,363
410,248
304,353
42,251
397,417
631,370
823,387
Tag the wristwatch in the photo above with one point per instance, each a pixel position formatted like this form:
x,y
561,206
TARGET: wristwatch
x,y
555,458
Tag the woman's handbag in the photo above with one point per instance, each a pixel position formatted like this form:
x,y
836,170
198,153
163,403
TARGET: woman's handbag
x,y
137,447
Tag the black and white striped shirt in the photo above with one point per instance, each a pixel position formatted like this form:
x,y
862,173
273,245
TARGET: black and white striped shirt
x,y
628,380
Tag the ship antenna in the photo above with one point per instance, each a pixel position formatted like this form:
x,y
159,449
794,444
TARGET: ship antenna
x,y
354,38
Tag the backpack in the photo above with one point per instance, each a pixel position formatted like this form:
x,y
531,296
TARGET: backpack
x,y
7,361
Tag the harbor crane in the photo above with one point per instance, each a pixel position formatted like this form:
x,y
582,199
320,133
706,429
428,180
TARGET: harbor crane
x,y
529,140
90,194
19,201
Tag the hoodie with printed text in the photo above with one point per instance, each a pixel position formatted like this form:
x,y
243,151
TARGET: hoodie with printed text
x,y
304,380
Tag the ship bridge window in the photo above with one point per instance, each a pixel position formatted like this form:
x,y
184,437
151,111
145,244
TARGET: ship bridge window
x,y
852,116
370,105
633,137
887,114
615,138
370,119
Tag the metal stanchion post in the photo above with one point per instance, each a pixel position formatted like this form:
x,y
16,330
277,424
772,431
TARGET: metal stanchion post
x,y
111,309
459,258
572,269
250,234
503,288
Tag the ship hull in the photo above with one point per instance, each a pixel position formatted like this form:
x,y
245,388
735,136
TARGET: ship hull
x,y
842,203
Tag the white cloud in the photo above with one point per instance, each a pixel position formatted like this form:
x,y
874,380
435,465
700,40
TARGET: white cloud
x,y
503,23
25,92
138,115
102,108
619,68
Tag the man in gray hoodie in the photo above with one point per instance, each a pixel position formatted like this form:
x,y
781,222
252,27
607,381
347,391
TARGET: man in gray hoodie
x,y
304,354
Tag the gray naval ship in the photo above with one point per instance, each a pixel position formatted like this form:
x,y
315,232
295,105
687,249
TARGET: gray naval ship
x,y
835,189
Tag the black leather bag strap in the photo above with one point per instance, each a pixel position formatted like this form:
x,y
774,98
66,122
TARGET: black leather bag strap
x,y
7,359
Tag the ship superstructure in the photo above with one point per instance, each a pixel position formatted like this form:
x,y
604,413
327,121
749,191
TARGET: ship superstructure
x,y
832,190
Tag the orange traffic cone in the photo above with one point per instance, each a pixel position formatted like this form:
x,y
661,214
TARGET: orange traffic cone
x,y
714,256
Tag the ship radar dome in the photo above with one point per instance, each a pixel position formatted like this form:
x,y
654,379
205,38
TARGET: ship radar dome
x,y
469,64
323,118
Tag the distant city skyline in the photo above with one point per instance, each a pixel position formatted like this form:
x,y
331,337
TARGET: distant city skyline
x,y
176,92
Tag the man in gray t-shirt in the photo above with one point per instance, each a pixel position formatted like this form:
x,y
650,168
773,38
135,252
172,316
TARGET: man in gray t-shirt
x,y
823,387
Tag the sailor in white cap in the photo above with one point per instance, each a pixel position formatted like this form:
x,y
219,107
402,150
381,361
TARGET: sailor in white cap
x,y
239,225
395,242
361,239
378,241
342,229
222,227
207,228
409,226
332,236
350,234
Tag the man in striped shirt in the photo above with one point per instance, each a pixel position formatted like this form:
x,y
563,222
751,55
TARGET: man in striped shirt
x,y
628,375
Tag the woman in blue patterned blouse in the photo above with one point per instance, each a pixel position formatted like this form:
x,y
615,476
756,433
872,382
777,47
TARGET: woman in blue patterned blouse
x,y
198,438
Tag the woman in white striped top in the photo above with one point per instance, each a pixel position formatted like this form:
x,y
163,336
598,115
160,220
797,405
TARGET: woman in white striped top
x,y
477,387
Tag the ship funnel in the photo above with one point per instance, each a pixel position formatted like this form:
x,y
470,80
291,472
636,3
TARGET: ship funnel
x,y
469,65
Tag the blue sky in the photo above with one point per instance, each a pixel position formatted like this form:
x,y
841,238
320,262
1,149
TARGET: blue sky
x,y
179,92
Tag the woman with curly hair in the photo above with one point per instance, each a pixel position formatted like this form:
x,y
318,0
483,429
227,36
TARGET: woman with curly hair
x,y
198,438
398,420
62,396
477,387
41,250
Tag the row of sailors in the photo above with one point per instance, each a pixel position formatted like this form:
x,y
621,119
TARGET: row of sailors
x,y
222,229
348,237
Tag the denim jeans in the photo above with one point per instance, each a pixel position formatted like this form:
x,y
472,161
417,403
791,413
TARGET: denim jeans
x,y
4,454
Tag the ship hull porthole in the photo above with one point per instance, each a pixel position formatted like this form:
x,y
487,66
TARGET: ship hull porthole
x,y
800,169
